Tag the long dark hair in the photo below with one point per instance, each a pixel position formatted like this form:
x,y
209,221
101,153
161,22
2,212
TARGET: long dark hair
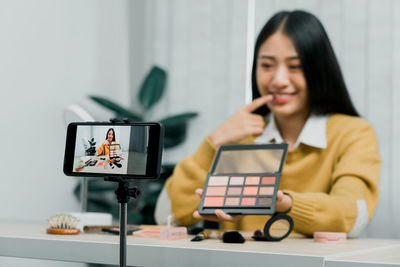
x,y
327,91
111,129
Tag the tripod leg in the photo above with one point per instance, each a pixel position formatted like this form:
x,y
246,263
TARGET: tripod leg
x,y
122,234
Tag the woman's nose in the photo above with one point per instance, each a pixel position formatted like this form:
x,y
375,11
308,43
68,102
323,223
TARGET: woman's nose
x,y
281,77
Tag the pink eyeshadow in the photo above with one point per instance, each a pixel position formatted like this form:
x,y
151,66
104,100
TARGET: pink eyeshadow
x,y
234,190
216,191
213,202
248,201
236,180
250,190
232,201
267,190
253,180
218,180
268,180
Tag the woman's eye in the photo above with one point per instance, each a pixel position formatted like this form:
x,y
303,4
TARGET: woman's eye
x,y
294,67
266,65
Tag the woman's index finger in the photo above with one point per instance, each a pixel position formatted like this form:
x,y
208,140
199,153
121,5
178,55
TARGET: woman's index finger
x,y
258,102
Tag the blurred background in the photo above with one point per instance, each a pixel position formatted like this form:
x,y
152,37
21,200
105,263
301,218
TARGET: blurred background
x,y
54,53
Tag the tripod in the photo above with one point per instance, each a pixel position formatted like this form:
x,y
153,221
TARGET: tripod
x,y
123,193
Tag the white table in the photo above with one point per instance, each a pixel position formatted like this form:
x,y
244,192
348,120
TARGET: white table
x,y
385,256
29,240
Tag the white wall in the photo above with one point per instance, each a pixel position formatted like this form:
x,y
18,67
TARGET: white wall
x,y
52,53
202,45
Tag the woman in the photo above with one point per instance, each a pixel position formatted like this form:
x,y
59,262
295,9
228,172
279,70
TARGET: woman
x,y
104,149
330,178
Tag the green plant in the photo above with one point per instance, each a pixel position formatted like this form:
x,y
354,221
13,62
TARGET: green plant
x,y
101,196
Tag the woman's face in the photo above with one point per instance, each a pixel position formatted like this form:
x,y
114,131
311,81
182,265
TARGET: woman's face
x,y
279,73
110,136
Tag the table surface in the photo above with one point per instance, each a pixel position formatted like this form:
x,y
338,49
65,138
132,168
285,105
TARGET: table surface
x,y
29,240
387,256
102,166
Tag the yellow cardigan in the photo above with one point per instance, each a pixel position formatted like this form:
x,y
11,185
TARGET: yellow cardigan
x,y
324,184
105,149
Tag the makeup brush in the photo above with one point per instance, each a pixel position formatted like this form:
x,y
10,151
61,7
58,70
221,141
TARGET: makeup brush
x,y
63,224
201,236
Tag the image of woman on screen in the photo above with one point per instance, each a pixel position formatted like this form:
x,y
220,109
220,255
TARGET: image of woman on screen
x,y
104,149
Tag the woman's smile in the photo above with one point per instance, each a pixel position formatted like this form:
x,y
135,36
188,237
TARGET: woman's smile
x,y
282,98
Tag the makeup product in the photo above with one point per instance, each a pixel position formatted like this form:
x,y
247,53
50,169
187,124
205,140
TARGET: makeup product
x,y
244,179
233,237
97,228
168,232
330,237
194,230
63,224
278,227
119,165
115,230
201,236
163,233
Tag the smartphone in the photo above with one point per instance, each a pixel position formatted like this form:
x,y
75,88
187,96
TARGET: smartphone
x,y
105,149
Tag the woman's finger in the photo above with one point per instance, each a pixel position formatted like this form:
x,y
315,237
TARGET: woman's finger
x,y
279,195
213,218
199,191
227,217
258,102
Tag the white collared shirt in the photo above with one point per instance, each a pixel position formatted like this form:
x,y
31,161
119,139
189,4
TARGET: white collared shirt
x,y
313,133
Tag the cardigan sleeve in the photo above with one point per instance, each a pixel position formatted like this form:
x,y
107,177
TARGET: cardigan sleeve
x,y
353,196
189,175
101,150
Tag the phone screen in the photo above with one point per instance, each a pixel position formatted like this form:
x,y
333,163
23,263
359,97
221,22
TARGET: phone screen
x,y
113,149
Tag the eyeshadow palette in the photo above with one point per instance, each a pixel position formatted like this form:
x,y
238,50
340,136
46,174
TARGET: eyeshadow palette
x,y
244,179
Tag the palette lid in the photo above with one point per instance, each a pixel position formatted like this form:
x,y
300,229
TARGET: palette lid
x,y
245,159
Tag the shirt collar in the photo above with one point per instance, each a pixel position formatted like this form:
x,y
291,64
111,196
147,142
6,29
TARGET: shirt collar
x,y
313,133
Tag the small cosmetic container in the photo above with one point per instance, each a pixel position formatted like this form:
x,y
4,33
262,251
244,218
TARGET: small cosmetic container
x,y
330,237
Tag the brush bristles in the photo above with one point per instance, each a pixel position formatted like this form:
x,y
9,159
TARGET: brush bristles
x,y
63,221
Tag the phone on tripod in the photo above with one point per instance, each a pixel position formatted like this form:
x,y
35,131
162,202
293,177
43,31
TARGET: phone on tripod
x,y
126,150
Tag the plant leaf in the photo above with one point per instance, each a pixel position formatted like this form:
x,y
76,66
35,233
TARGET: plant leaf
x,y
120,111
178,119
152,87
176,128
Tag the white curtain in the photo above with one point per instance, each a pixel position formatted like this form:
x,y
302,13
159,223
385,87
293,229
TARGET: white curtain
x,y
202,44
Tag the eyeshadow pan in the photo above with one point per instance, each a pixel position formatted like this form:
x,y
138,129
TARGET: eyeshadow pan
x,y
266,190
234,190
252,180
213,202
268,180
250,190
264,201
218,180
248,201
232,201
236,180
216,191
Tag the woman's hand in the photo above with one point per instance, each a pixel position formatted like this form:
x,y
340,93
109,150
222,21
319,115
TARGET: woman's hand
x,y
106,143
219,214
283,202
242,124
